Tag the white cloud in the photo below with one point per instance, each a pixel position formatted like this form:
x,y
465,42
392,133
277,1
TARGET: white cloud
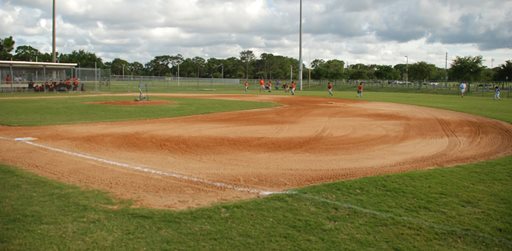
x,y
364,31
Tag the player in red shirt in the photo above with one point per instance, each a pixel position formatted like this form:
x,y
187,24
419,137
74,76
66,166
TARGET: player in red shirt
x,y
262,85
293,86
329,88
360,90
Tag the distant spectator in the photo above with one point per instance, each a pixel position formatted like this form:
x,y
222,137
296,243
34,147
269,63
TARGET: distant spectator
x,y
76,82
68,84
8,79
278,83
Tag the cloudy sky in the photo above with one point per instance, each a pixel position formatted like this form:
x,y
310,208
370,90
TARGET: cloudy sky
x,y
356,31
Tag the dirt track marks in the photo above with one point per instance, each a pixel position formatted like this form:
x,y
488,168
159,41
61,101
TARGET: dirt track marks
x,y
305,141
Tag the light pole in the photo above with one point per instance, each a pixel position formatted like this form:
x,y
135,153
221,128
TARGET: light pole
x,y
300,47
291,73
247,69
407,70
54,52
446,69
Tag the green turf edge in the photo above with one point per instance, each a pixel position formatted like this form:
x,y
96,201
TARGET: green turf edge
x,y
464,207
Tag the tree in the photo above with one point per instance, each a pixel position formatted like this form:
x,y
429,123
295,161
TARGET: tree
x,y
175,62
266,65
26,53
386,72
6,46
420,71
466,68
317,63
214,67
401,69
119,67
247,57
199,63
136,68
504,73
82,58
331,69
159,66
233,68
334,69
361,71
488,75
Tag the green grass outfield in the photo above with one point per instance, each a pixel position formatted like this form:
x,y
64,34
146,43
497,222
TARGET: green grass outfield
x,y
466,207
53,111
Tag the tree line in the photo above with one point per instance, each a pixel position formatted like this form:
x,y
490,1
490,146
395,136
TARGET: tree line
x,y
268,66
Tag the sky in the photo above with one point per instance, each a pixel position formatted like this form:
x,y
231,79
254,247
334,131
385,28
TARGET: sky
x,y
385,32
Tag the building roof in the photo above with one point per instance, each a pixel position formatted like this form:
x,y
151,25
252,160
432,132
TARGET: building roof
x,y
26,64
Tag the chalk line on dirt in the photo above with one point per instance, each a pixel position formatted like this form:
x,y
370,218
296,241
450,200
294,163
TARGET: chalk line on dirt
x,y
29,141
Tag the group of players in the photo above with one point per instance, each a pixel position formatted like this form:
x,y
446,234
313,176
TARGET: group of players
x,y
292,86
267,86
67,85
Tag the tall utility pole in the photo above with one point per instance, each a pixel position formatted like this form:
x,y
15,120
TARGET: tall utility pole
x,y
54,52
300,47
406,69
291,73
446,67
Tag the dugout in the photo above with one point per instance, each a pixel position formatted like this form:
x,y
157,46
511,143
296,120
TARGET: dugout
x,y
23,75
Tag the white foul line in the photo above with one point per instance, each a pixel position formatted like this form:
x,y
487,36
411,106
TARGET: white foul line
x,y
148,170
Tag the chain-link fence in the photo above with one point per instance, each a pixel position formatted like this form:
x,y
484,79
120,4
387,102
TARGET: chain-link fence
x,y
474,89
101,80
154,84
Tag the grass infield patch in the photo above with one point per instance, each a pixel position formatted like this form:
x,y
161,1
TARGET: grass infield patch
x,y
54,111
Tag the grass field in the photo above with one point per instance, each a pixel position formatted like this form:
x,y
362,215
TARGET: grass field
x,y
54,111
466,207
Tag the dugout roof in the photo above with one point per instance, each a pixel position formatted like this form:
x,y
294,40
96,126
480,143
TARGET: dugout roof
x,y
26,64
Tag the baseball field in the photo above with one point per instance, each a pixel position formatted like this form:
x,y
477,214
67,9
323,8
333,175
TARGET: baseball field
x,y
255,171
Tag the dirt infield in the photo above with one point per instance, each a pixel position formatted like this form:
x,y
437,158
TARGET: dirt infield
x,y
199,160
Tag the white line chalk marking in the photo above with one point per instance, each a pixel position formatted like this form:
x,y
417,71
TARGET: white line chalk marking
x,y
25,139
458,230
29,141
